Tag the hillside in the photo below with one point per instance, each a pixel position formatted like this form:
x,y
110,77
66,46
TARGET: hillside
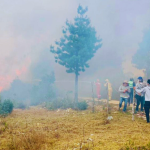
x,y
39,129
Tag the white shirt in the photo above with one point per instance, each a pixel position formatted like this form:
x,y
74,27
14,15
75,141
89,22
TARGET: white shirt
x,y
146,90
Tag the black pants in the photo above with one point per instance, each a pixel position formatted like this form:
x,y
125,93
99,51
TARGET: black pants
x,y
147,107
140,100
131,96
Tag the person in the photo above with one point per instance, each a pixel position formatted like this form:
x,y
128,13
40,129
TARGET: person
x,y
139,96
124,95
146,90
98,85
109,89
131,85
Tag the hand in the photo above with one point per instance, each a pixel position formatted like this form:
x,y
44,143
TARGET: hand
x,y
139,94
125,91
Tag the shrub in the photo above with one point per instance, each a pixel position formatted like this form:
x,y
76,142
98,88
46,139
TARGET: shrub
x,y
64,104
6,107
59,103
67,103
33,141
0,107
49,106
20,105
82,105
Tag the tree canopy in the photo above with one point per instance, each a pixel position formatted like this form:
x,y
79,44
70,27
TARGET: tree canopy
x,y
78,44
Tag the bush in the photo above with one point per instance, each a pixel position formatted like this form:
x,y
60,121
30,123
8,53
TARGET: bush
x,y
6,107
0,107
49,106
64,104
22,106
19,105
59,103
82,105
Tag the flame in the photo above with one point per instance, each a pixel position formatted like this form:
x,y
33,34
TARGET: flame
x,y
21,71
6,80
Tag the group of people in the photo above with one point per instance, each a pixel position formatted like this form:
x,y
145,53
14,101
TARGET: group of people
x,y
107,85
140,91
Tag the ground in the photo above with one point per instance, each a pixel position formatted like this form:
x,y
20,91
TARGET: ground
x,y
39,129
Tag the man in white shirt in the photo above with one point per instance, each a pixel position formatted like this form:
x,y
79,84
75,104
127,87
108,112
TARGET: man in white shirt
x,y
140,96
146,90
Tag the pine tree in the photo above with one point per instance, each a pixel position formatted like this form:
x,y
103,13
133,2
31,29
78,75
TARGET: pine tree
x,y
77,46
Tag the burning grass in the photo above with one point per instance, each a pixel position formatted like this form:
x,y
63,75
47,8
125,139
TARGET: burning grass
x,y
39,129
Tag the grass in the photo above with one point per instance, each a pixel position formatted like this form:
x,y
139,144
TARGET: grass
x,y
39,129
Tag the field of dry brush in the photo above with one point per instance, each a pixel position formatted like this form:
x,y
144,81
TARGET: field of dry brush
x,y
40,129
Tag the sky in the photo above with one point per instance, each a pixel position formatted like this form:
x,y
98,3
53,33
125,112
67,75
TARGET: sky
x,y
29,27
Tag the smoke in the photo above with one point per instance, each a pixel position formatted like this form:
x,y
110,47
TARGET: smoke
x,y
28,28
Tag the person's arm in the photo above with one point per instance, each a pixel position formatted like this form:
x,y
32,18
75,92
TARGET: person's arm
x,y
133,84
141,90
120,89
129,90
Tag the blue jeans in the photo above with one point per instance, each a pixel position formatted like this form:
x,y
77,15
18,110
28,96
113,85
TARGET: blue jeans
x,y
140,100
125,103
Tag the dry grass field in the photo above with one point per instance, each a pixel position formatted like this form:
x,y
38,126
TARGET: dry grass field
x,y
39,129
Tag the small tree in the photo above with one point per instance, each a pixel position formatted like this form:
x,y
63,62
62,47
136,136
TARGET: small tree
x,y
44,90
77,46
142,56
6,107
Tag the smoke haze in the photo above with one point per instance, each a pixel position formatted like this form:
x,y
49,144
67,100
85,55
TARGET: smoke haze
x,y
29,27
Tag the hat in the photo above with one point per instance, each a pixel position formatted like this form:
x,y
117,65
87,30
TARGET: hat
x,y
140,78
125,81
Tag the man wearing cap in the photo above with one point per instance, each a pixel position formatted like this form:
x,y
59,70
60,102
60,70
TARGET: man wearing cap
x,y
140,96
124,95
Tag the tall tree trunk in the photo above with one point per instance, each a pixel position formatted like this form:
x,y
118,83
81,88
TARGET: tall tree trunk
x,y
76,89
